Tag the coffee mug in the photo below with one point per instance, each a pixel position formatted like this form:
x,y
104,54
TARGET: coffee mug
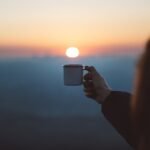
x,y
73,74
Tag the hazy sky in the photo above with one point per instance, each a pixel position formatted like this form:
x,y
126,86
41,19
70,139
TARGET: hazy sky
x,y
58,24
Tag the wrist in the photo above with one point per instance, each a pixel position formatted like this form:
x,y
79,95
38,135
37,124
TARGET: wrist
x,y
102,95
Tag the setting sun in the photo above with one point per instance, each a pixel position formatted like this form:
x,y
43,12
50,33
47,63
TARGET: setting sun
x,y
72,52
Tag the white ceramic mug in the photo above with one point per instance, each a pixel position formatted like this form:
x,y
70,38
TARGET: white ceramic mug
x,y
73,74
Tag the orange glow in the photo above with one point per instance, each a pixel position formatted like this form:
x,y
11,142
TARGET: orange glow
x,y
49,27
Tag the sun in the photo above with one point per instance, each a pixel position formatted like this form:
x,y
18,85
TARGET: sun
x,y
72,52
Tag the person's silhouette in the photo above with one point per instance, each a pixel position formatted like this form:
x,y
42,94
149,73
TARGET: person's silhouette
x,y
129,114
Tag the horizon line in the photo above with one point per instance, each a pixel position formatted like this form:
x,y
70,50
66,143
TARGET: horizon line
x,y
34,51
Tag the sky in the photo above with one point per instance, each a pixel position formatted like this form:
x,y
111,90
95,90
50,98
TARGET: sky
x,y
51,26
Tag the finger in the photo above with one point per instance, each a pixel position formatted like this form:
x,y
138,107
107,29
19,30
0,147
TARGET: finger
x,y
95,74
90,90
86,68
88,84
88,76
90,95
91,70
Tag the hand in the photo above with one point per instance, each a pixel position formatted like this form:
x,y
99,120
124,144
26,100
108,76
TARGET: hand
x,y
95,86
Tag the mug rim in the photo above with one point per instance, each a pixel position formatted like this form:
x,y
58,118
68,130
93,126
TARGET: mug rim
x,y
73,65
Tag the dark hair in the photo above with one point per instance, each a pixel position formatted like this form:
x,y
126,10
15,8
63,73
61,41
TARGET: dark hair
x,y
141,102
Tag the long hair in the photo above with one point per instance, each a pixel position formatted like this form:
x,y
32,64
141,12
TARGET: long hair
x,y
141,102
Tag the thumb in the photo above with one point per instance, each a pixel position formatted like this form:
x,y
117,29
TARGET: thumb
x,y
95,73
92,70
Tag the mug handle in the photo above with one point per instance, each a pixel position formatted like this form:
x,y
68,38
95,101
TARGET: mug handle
x,y
84,73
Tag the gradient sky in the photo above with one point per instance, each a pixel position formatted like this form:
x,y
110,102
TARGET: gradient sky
x,y
86,24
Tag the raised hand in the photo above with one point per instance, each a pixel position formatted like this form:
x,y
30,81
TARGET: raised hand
x,y
95,86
